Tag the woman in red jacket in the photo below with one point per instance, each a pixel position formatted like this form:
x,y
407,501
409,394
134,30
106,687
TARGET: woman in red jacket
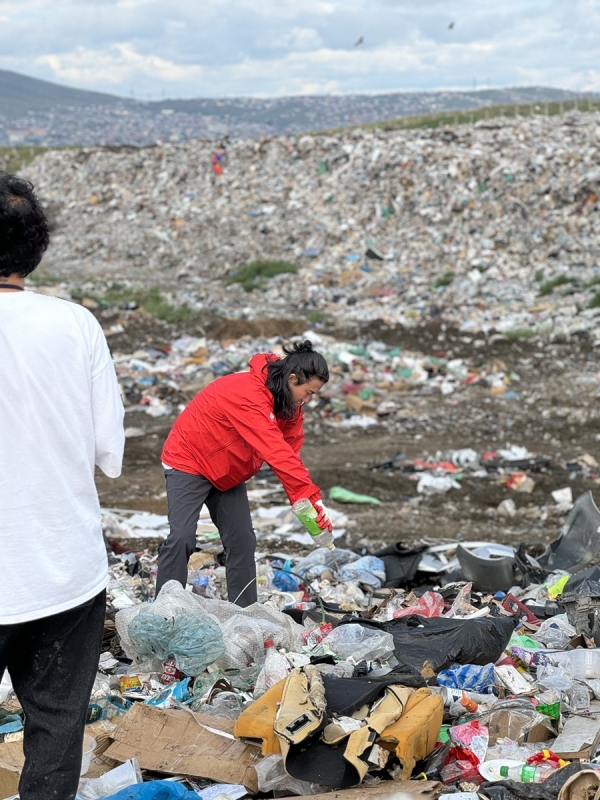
x,y
221,440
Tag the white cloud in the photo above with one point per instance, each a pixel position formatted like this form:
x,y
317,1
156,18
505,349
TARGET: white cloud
x,y
302,39
233,47
115,66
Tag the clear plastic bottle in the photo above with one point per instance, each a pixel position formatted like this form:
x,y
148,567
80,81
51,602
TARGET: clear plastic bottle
x,y
276,665
527,773
307,514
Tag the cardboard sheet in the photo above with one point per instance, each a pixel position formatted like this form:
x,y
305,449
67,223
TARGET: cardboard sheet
x,y
579,738
11,764
178,742
394,790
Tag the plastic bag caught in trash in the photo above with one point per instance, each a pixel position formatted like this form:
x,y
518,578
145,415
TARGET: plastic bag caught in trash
x,y
155,790
174,694
369,570
272,777
430,604
226,704
436,484
341,495
461,607
468,677
360,644
555,632
471,742
556,676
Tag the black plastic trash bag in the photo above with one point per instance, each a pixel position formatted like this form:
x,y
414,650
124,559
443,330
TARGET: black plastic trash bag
x,y
401,563
443,642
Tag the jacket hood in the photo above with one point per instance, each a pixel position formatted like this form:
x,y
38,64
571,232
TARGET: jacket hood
x,y
259,362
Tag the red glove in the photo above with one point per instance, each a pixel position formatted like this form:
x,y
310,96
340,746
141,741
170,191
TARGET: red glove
x,y
322,518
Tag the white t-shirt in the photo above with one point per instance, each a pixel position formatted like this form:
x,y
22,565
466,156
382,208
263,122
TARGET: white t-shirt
x,y
60,414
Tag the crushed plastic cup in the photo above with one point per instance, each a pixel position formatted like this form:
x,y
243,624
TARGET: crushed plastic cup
x,y
89,745
126,774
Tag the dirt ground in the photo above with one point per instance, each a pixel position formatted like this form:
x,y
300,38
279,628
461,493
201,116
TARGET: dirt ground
x,y
555,414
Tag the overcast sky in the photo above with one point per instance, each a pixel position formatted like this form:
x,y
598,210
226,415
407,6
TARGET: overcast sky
x,y
191,48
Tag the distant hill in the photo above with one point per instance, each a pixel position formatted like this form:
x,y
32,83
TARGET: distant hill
x,y
20,95
40,113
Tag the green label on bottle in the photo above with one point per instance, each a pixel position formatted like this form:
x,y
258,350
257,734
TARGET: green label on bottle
x,y
310,524
528,774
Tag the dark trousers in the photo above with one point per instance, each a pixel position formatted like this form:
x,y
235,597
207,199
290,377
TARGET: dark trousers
x,y
230,512
52,664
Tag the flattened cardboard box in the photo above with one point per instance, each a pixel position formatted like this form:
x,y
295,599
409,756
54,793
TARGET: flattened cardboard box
x,y
579,739
179,742
388,790
11,764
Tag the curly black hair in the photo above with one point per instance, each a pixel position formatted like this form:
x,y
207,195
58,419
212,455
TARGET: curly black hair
x,y
301,361
24,233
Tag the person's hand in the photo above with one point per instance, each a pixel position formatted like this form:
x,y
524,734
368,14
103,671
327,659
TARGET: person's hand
x,y
322,518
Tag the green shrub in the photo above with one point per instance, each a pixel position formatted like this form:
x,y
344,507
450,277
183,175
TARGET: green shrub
x,y
319,317
444,280
151,300
549,286
154,303
256,274
595,301
521,333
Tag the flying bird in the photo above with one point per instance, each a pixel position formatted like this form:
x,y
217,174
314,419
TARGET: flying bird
x,y
359,42
450,26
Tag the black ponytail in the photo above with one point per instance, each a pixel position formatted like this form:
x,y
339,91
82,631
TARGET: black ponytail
x,y
301,361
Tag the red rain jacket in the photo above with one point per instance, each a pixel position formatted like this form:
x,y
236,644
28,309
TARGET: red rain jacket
x,y
229,429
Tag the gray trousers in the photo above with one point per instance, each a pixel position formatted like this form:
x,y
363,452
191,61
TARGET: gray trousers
x,y
230,512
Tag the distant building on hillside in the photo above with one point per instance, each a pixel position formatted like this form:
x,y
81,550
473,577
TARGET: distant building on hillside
x,y
24,136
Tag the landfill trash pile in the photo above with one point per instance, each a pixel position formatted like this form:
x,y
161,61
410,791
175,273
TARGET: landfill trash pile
x,y
493,226
450,640
354,672
511,467
416,426
366,381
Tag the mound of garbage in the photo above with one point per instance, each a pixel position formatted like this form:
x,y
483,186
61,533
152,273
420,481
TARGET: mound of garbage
x,y
427,670
493,225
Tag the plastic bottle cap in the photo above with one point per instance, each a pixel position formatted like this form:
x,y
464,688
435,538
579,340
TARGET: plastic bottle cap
x,y
504,772
269,643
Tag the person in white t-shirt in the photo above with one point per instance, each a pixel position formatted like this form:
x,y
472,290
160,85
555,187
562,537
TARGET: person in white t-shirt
x,y
61,414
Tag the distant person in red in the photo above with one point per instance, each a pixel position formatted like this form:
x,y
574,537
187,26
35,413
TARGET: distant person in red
x,y
222,439
217,166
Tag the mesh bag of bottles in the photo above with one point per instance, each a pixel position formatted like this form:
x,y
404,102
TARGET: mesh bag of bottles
x,y
174,600
274,625
244,643
193,642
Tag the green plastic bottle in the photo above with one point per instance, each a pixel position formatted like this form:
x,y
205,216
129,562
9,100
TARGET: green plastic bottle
x,y
307,514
